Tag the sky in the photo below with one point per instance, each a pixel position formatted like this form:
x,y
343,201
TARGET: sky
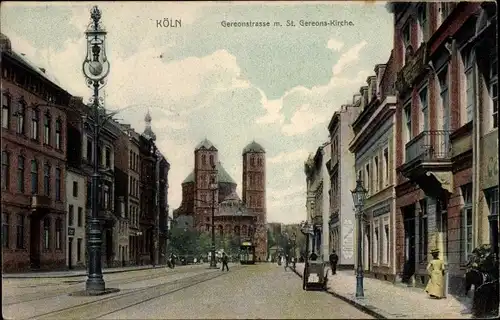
x,y
278,86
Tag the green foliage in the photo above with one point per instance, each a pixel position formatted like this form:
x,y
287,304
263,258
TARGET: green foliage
x,y
483,259
192,242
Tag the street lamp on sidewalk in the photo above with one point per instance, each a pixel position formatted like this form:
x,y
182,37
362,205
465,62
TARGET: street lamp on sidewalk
x,y
95,69
358,197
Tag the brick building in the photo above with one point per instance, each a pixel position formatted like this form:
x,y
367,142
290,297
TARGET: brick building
x,y
437,92
374,146
242,218
33,165
163,207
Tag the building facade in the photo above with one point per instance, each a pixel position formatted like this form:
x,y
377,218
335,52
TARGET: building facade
x,y
76,222
445,56
318,199
341,181
373,146
244,218
33,165
163,170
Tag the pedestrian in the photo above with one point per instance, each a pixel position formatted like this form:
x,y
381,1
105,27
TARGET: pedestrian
x,y
435,268
334,259
225,261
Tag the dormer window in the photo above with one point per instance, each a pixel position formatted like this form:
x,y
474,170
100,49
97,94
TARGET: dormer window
x,y
46,129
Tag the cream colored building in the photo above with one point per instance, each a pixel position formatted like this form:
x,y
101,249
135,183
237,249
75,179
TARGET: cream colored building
x,y
76,206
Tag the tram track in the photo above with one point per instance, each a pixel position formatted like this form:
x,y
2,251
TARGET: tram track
x,y
117,302
70,287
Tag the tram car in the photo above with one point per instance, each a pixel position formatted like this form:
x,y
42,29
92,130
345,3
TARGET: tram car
x,y
247,253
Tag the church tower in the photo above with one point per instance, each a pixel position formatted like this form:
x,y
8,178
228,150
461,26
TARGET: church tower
x,y
205,174
254,193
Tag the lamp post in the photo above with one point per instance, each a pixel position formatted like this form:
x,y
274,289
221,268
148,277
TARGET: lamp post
x,y
359,196
95,69
213,187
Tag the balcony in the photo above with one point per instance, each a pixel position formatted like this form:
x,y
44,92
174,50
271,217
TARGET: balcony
x,y
40,202
428,160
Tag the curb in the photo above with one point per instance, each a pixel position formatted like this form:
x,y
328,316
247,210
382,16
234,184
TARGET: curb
x,y
370,310
81,274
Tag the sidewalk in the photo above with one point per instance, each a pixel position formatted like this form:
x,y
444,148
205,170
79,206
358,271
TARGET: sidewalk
x,y
72,273
388,301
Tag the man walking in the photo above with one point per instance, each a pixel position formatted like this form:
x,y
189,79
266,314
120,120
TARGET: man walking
x,y
225,261
334,258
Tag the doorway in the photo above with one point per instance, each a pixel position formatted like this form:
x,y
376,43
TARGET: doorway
x,y
70,253
35,243
409,250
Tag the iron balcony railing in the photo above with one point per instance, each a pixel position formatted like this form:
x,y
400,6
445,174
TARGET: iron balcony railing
x,y
429,145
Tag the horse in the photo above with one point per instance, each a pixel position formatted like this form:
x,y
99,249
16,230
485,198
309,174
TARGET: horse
x,y
485,287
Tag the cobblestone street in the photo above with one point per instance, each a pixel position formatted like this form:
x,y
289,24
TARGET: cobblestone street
x,y
258,291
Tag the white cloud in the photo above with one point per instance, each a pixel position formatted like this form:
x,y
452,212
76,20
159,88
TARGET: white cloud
x,y
335,45
303,120
348,58
292,156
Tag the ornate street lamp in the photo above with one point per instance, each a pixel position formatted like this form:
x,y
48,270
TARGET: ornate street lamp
x,y
213,187
95,69
358,197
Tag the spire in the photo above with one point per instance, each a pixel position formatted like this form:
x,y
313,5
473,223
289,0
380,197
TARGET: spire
x,y
148,131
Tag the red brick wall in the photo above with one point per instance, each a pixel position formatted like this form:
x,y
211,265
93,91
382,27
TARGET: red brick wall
x,y
13,201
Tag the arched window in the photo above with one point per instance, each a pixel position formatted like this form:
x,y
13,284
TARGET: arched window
x,y
46,129
252,161
203,159
21,116
58,134
212,160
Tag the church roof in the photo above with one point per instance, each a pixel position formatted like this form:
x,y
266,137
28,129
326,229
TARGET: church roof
x,y
222,175
253,147
205,144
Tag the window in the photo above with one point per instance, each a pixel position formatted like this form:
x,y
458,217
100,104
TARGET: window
x,y
368,178
58,184
407,115
5,170
494,89
75,189
467,221
385,245
106,197
131,160
89,151
375,244
6,111
21,116
375,175
424,104
46,129
203,159
59,233
108,157
443,84
46,233
386,166
80,217
71,215
79,243
212,160
58,134
422,22
20,174
35,120
492,201
34,177
469,83
5,230
46,179
423,232
252,161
